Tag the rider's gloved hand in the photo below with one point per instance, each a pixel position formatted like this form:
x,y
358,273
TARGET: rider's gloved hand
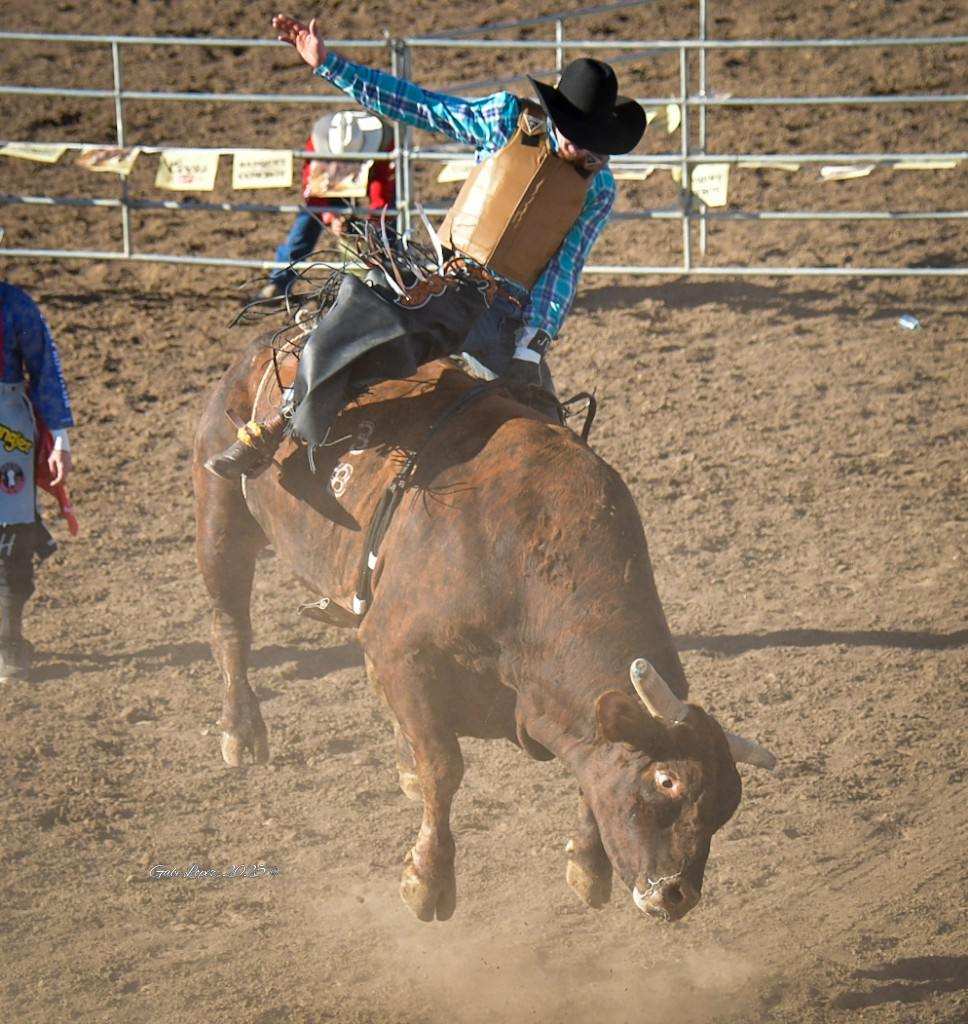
x,y
531,345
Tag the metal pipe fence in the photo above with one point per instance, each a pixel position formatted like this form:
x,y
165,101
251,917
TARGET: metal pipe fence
x,y
692,152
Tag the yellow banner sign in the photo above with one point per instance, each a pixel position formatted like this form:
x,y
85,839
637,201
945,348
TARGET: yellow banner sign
x,y
42,152
633,173
455,170
187,170
924,165
765,165
262,168
118,159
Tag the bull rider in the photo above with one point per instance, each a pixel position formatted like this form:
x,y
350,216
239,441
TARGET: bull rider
x,y
516,238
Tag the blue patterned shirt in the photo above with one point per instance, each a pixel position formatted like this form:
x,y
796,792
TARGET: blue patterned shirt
x,y
487,124
26,345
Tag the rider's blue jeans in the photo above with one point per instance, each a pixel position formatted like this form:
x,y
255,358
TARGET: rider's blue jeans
x,y
299,243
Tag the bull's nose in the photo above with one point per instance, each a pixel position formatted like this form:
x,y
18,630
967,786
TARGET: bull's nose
x,y
669,900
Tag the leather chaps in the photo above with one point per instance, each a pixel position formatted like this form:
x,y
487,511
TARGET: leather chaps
x,y
367,336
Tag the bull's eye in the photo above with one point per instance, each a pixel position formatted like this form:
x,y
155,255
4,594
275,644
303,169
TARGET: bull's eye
x,y
667,782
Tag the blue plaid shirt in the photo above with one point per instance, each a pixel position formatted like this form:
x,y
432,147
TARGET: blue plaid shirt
x,y
26,343
487,124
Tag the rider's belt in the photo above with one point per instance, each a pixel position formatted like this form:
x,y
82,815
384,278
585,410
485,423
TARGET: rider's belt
x,y
515,208
494,287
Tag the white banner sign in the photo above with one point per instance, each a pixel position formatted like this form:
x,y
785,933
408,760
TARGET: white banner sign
x,y
710,183
262,168
187,170
842,172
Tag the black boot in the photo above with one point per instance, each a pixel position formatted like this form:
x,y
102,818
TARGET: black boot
x,y
15,651
251,454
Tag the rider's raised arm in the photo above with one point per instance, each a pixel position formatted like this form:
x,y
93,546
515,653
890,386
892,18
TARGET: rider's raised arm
x,y
554,291
486,124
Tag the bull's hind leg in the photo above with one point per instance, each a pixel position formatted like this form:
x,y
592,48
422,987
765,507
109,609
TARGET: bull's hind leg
x,y
589,871
227,542
410,685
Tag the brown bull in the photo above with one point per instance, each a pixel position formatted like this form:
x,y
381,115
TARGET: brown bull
x,y
513,599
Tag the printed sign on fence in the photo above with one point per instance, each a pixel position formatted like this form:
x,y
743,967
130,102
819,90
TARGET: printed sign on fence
x,y
455,170
337,179
262,168
42,152
108,158
187,170
710,183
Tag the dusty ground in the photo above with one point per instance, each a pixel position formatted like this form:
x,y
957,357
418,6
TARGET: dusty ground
x,y
799,460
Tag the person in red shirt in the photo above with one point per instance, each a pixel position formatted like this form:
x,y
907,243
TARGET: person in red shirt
x,y
346,131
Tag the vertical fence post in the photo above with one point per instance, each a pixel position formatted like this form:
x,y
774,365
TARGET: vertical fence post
x,y
685,192
702,115
404,139
559,49
119,129
398,164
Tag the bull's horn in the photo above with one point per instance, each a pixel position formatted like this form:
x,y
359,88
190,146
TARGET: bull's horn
x,y
746,751
655,694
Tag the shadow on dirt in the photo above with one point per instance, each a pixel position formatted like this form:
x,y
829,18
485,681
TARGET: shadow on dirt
x,y
748,297
740,643
314,663
909,980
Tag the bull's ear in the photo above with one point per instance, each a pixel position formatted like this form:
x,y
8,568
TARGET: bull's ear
x,y
622,719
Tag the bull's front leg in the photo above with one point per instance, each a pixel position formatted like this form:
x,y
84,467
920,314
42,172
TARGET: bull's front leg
x,y
429,885
589,871
431,768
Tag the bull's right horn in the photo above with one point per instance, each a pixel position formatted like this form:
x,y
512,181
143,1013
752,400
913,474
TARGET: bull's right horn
x,y
655,693
746,751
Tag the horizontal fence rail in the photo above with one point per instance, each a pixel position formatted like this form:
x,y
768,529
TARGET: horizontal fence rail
x,y
692,100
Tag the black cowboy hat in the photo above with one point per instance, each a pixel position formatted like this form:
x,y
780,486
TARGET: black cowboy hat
x,y
588,111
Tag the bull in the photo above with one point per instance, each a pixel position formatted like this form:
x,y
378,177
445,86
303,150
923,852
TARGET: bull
x,y
512,598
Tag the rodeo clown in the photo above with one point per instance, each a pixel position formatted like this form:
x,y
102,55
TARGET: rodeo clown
x,y
517,237
346,131
34,449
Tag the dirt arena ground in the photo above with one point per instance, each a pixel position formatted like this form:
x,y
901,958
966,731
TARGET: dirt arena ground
x,y
799,462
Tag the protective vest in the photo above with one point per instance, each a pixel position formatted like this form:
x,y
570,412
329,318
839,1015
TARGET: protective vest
x,y
515,208
18,498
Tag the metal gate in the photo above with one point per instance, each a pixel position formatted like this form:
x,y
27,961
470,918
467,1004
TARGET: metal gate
x,y
693,102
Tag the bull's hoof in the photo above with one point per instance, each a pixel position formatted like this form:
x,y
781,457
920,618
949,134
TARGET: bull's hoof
x,y
428,898
410,785
594,890
254,740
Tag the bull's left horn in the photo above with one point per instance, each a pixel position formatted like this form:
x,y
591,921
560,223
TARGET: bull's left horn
x,y
655,694
746,751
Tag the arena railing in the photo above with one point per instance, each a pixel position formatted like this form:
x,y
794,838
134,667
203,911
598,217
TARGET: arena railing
x,y
405,154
